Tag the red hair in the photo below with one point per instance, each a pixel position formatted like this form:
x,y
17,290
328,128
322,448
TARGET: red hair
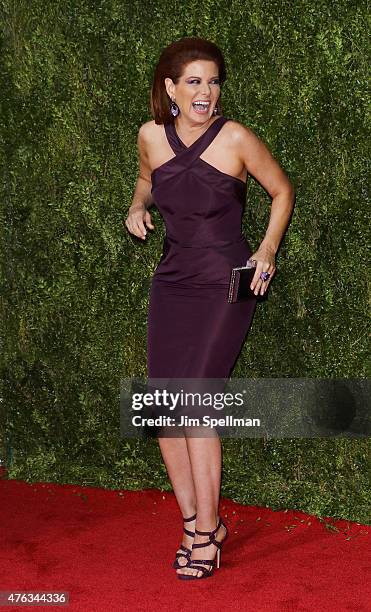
x,y
172,62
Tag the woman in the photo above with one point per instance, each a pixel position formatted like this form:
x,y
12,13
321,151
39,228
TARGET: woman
x,y
194,165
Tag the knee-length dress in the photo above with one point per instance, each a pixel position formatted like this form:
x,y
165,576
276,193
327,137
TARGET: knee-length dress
x,y
192,330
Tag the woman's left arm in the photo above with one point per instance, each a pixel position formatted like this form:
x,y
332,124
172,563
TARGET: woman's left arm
x,y
260,163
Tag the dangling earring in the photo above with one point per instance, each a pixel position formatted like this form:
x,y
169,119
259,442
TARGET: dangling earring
x,y
216,110
174,108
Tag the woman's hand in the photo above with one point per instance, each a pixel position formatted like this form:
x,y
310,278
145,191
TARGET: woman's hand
x,y
265,262
138,216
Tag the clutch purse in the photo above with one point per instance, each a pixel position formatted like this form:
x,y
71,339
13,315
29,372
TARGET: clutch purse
x,y
240,281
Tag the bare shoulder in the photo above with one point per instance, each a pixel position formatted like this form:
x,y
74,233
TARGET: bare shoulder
x,y
149,132
149,137
240,134
248,146
258,159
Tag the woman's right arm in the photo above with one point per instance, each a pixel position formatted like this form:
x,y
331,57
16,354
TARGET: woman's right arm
x,y
138,214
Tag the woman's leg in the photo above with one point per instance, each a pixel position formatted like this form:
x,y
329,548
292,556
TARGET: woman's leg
x,y
206,462
175,455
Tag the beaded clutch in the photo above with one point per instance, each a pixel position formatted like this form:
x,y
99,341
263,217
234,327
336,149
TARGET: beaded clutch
x,y
239,284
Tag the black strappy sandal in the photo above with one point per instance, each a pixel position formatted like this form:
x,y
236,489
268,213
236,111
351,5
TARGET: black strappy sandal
x,y
187,551
206,573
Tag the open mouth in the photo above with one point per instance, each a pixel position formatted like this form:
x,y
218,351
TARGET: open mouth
x,y
200,106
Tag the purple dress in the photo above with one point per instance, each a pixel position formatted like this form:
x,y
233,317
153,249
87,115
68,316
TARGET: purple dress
x,y
193,332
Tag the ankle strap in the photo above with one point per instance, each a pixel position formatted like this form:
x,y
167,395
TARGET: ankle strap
x,y
191,518
189,533
210,533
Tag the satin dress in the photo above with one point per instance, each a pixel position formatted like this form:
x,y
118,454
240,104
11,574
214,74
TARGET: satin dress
x,y
192,331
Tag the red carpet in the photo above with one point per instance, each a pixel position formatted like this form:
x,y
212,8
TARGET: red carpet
x,y
112,550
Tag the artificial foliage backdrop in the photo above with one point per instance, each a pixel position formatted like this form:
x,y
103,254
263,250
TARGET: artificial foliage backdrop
x,y
75,81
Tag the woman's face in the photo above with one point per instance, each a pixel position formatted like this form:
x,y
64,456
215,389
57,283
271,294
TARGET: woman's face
x,y
197,90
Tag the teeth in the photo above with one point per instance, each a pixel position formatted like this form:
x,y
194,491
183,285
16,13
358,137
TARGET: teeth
x,y
204,104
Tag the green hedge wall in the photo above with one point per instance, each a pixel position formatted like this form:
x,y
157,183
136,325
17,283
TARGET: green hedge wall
x,y
75,80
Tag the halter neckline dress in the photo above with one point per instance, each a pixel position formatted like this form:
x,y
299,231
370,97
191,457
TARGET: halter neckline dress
x,y
193,331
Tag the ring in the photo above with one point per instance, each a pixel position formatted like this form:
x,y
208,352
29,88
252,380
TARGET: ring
x,y
264,275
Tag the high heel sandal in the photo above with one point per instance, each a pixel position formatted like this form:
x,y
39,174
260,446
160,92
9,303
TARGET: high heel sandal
x,y
187,551
206,573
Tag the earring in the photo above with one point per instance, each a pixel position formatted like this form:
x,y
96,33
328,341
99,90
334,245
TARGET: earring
x,y
216,110
174,108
